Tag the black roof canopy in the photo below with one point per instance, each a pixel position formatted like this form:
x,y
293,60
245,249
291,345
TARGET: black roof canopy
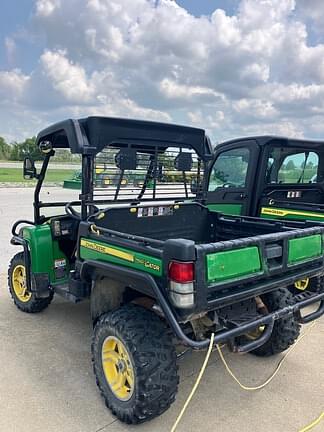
x,y
90,135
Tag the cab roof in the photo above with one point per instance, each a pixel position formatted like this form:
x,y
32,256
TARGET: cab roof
x,y
264,140
90,135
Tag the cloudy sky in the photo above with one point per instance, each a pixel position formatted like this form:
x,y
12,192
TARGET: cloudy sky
x,y
232,67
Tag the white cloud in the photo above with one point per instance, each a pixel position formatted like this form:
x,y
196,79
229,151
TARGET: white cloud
x,y
44,8
13,85
10,46
255,71
172,90
67,78
260,109
312,10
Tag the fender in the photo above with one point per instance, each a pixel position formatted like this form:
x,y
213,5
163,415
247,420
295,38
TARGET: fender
x,y
106,295
127,277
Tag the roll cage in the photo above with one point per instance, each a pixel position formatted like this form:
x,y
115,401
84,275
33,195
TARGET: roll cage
x,y
90,136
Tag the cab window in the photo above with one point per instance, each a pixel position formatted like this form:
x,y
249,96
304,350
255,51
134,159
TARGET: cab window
x,y
230,169
298,167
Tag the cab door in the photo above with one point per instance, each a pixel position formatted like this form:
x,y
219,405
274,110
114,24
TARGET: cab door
x,y
231,185
293,187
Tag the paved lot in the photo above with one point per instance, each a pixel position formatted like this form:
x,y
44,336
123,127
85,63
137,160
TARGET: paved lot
x,y
54,165
46,380
17,203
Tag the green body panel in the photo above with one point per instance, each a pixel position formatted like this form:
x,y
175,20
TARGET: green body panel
x,y
230,209
72,184
304,248
292,214
233,264
44,251
101,251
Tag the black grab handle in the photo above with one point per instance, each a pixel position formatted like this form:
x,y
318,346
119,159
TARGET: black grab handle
x,y
18,222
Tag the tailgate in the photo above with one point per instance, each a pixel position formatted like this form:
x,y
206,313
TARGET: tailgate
x,y
265,260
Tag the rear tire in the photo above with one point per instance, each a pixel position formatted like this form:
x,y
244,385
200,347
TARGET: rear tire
x,y
134,362
285,331
24,300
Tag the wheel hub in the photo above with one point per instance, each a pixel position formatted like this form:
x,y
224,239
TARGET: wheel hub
x,y
121,366
117,368
19,283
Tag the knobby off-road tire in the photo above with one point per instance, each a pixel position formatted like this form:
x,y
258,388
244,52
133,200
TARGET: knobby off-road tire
x,y
285,331
24,300
133,342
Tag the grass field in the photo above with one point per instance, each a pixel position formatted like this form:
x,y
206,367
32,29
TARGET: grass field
x,y
292,176
14,175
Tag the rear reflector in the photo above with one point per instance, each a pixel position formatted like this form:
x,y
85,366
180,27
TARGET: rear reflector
x,y
181,272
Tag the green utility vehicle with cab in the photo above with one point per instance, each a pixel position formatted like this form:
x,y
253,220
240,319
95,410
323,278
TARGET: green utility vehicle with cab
x,y
269,177
159,267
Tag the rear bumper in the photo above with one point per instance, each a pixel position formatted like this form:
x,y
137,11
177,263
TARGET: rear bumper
x,y
149,285
266,320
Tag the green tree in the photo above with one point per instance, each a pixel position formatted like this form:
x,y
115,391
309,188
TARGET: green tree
x,y
290,165
4,149
310,165
26,148
230,169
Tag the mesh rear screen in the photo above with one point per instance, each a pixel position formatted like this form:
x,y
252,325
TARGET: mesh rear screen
x,y
146,174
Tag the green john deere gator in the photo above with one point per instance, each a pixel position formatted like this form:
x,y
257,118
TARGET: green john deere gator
x,y
159,267
269,177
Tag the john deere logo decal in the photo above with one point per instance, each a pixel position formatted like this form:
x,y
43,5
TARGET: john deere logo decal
x,y
285,212
136,259
272,211
107,250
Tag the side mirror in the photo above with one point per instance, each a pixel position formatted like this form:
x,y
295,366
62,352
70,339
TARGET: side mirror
x,y
29,170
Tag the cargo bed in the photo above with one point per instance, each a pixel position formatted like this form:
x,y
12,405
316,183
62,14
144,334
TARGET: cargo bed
x,y
235,258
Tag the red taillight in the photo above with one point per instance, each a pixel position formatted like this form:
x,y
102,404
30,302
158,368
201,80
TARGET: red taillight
x,y
181,272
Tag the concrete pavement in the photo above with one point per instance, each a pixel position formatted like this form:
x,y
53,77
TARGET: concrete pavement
x,y
52,165
47,384
17,203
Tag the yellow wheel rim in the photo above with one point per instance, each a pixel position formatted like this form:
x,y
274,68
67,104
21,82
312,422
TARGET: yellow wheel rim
x,y
19,283
118,368
255,334
302,284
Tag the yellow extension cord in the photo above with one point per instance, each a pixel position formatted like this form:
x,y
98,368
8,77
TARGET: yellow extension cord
x,y
244,387
194,388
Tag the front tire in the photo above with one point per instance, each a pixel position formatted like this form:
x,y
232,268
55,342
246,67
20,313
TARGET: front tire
x,y
285,330
134,362
25,300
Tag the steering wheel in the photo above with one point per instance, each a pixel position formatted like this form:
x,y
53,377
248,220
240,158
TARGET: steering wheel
x,y
69,210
